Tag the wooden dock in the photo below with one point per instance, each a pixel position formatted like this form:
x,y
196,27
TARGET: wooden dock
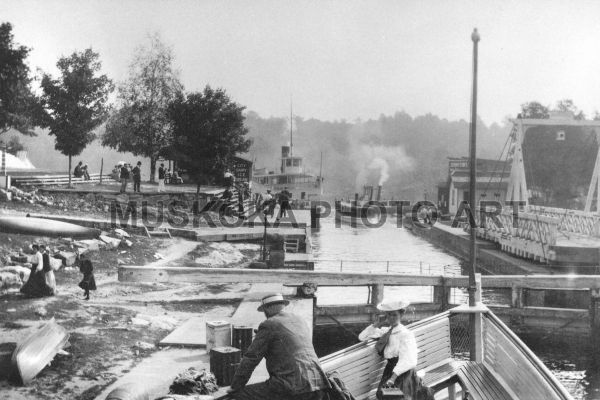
x,y
531,307
192,333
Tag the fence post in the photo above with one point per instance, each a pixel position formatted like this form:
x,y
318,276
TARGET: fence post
x,y
517,297
101,168
595,322
478,321
441,295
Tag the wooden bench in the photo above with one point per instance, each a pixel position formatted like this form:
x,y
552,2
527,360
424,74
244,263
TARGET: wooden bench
x,y
479,383
360,367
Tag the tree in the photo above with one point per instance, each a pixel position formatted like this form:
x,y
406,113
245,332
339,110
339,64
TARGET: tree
x,y
567,105
208,130
141,125
534,110
76,102
19,107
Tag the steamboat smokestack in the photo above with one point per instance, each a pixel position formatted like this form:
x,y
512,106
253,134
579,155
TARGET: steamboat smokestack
x,y
378,193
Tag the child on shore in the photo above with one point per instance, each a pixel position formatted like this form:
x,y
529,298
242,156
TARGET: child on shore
x,y
88,282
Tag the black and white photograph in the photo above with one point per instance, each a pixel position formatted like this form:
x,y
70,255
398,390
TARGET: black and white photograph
x,y
299,200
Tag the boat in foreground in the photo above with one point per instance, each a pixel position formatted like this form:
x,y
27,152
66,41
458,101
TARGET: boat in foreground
x,y
503,366
37,350
46,227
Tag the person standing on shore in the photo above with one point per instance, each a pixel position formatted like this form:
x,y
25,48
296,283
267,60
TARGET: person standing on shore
x,y
137,176
124,176
161,178
88,282
284,203
48,271
36,284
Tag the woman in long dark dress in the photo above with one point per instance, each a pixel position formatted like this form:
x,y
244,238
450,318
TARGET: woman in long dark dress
x,y
36,284
88,282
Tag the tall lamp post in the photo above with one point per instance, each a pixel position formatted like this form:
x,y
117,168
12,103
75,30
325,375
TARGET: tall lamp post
x,y
472,187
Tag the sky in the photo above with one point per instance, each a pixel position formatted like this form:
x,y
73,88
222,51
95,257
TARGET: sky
x,y
339,60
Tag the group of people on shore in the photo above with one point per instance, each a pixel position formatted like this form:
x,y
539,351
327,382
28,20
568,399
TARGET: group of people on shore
x,y
127,173
285,341
269,201
81,171
42,282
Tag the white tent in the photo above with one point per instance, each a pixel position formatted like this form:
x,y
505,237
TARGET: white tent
x,y
18,162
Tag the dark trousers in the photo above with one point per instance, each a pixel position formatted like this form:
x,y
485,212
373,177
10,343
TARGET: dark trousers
x,y
262,391
136,185
283,207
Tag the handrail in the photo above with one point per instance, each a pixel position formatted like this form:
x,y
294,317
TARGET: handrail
x,y
531,357
334,278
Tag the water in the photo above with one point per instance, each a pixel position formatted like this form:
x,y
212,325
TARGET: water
x,y
394,249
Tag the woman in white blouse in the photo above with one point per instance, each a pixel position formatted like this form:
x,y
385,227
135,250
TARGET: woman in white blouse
x,y
397,344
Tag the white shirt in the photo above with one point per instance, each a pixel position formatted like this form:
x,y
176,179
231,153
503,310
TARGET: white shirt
x,y
40,261
402,344
267,197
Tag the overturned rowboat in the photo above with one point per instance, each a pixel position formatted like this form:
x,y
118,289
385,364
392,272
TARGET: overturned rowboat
x,y
35,352
46,227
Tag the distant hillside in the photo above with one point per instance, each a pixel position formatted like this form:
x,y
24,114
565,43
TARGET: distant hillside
x,y
407,155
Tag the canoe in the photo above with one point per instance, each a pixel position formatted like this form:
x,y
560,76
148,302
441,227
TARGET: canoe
x,y
45,227
37,350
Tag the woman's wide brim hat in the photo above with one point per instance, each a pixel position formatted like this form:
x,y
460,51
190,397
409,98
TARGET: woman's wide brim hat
x,y
276,298
393,305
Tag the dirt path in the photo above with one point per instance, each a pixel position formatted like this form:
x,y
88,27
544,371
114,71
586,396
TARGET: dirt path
x,y
106,331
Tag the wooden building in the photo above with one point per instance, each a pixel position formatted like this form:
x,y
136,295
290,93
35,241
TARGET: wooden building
x,y
492,182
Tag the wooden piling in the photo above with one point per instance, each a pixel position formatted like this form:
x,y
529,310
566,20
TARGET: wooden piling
x,y
595,325
441,296
376,294
516,297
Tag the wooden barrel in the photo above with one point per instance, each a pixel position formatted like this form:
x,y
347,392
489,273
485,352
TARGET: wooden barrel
x,y
223,362
241,337
129,391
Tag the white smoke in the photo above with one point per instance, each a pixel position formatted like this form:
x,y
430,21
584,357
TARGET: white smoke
x,y
383,166
384,162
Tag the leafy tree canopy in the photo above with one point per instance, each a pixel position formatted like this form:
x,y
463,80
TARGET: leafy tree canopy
x,y
141,124
534,110
76,102
208,131
19,107
567,105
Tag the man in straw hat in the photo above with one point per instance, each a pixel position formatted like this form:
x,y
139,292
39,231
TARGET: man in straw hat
x,y
285,341
397,344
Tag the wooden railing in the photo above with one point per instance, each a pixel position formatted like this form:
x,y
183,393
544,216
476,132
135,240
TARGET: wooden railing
x,y
571,221
46,180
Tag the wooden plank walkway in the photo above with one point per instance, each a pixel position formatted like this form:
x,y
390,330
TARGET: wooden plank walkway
x,y
192,333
